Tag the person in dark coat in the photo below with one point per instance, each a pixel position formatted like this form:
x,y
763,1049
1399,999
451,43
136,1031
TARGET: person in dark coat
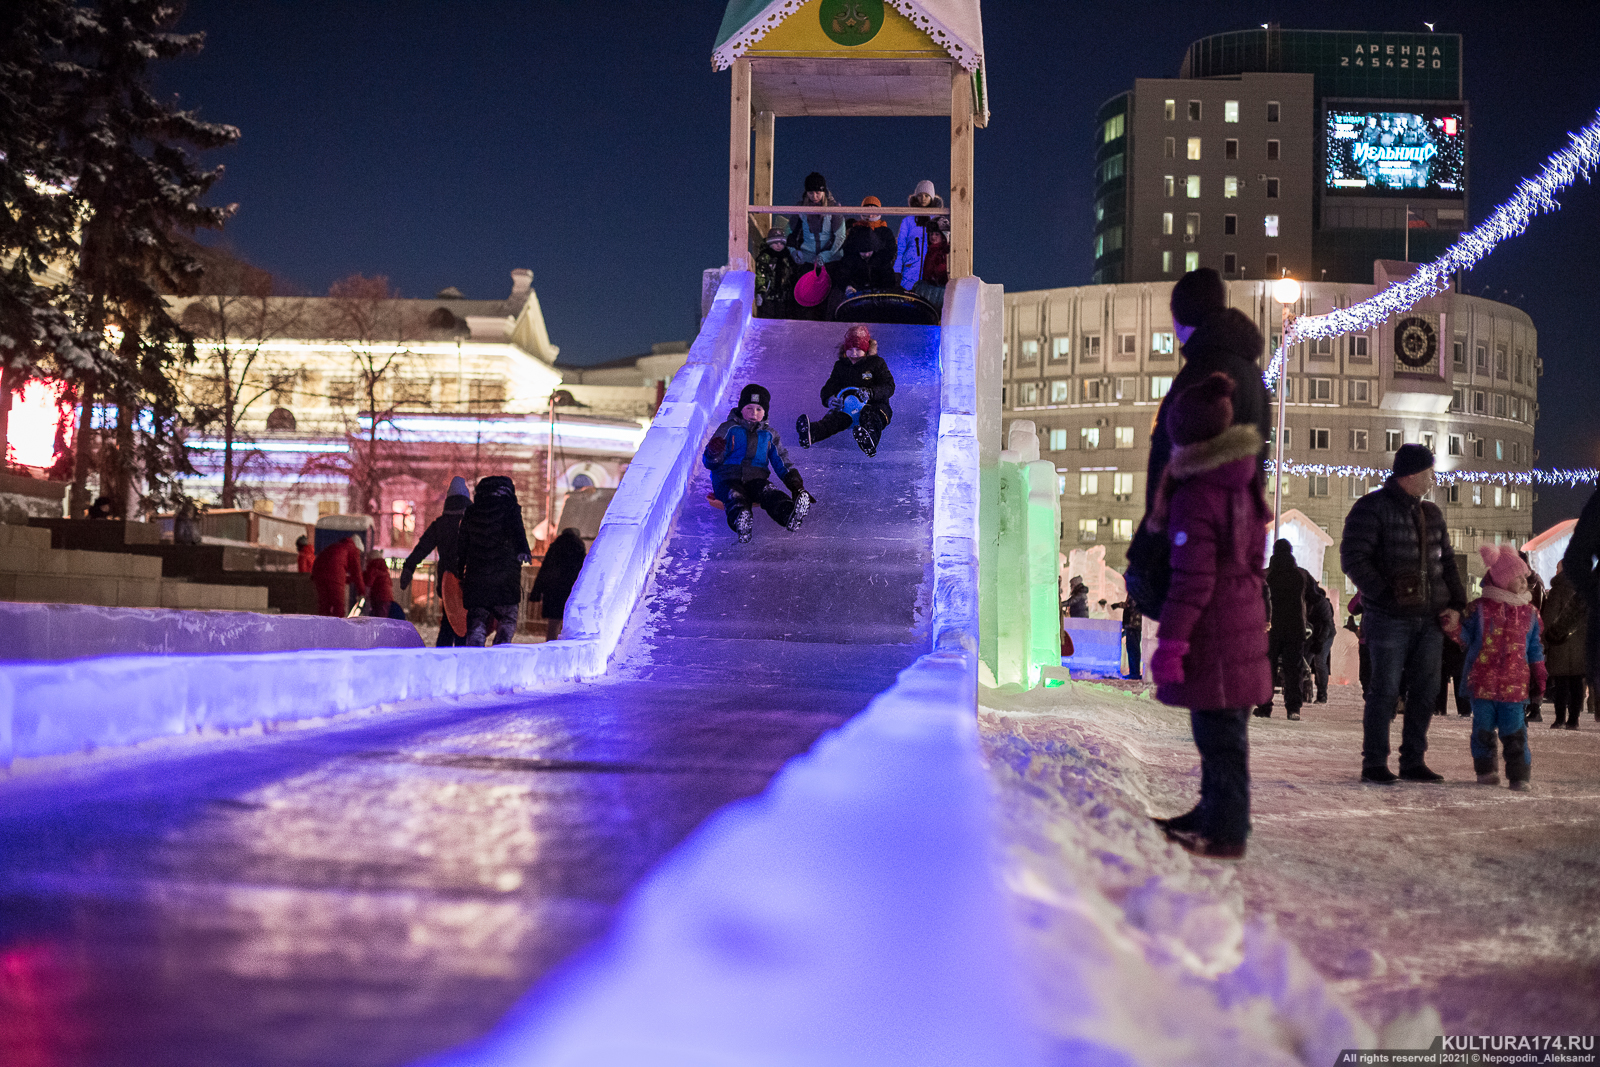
x,y
1578,563
859,368
1353,624
1077,599
866,261
1397,551
1212,650
1324,628
491,548
1286,644
441,536
1132,636
1566,635
775,276
558,573
738,457
1536,591
338,566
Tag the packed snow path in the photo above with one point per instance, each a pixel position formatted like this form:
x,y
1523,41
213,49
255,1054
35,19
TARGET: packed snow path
x,y
377,892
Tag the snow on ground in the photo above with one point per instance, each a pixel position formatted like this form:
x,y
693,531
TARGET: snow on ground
x,y
1363,914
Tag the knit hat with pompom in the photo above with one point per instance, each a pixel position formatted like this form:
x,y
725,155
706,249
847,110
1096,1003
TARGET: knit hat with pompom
x,y
1504,565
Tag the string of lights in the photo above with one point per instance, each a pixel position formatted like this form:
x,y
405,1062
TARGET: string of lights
x,y
1558,476
1533,196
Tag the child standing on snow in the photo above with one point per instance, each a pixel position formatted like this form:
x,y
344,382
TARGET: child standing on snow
x,y
1212,655
857,394
1504,665
738,456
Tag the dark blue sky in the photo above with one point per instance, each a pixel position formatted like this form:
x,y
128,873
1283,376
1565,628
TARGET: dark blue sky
x,y
448,144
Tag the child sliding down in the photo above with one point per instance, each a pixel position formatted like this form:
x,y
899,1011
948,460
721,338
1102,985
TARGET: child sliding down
x,y
1504,665
738,456
857,394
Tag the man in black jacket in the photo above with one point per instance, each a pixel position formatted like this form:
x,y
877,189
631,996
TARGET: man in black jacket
x,y
491,548
1397,551
1286,642
1324,628
441,535
1578,564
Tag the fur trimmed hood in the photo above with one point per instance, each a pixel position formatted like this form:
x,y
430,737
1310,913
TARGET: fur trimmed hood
x,y
1236,442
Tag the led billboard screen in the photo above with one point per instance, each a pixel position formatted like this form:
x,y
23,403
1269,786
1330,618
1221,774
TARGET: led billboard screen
x,y
1421,152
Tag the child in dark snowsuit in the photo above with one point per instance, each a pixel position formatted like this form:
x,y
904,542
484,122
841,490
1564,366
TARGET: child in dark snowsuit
x,y
1504,665
857,394
775,276
1212,655
738,456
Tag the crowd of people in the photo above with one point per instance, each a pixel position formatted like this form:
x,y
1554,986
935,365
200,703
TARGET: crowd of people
x,y
808,270
1231,629
481,546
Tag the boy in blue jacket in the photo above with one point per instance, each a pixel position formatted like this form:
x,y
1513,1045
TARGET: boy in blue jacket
x,y
738,456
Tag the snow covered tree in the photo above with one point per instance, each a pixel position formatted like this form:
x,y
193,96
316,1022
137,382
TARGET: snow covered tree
x,y
137,188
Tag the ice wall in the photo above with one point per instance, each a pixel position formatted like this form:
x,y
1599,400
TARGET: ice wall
x,y
1020,563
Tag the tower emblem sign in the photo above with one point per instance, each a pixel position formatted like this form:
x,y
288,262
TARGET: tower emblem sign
x,y
851,22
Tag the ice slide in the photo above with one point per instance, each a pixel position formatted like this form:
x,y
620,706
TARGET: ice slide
x,y
845,913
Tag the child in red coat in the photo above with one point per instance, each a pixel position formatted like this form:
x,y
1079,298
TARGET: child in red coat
x,y
1504,669
1212,656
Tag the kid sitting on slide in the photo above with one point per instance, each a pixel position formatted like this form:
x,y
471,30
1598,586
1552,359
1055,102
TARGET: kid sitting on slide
x,y
857,394
738,456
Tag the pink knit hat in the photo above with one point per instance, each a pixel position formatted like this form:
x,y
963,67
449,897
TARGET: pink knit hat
x,y
1504,565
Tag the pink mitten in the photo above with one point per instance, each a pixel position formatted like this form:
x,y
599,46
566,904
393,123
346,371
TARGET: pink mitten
x,y
1166,666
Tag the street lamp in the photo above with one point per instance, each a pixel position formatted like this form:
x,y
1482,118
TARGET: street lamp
x,y
1285,291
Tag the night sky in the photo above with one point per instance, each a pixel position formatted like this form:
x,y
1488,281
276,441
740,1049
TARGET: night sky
x,y
448,144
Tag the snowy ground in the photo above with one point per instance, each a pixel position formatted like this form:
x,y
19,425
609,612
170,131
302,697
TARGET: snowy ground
x,y
1359,912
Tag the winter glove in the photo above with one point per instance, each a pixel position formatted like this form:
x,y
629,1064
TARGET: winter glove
x,y
835,401
405,579
1166,666
524,557
795,483
717,449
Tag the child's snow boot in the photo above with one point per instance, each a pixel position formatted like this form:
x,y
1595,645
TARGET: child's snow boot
x,y
863,438
802,431
802,504
744,524
1486,767
1519,767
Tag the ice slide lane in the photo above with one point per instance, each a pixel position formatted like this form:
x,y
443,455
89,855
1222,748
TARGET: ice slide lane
x,y
376,893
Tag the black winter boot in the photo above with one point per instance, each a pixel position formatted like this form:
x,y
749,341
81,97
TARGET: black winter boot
x,y
744,523
1533,714
1519,767
1486,767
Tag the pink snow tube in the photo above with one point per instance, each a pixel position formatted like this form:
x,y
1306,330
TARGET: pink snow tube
x,y
812,288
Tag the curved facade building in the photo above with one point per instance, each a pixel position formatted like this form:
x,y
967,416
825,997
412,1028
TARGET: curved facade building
x,y
1090,364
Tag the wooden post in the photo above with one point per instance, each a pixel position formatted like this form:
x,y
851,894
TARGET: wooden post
x,y
739,169
961,108
766,124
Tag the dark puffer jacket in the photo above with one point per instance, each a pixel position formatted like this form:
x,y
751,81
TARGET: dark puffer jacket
x,y
1228,342
1214,519
1566,627
558,573
441,534
870,374
1579,565
491,546
1397,551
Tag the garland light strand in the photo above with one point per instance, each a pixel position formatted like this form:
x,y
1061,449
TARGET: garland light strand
x,y
1533,196
1566,477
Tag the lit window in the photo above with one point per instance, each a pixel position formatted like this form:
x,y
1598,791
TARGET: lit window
x,y
1122,529
1127,389
1191,186
1030,351
1514,501
1088,485
1058,440
1166,223
1500,450
1272,150
1169,186
1427,440
1114,127
1191,226
1124,437
1230,111
1272,188
1230,187
1170,110
1160,386
1499,497
1166,263
1058,348
1028,394
1193,148
1061,485
1122,485
1093,390
1161,344
1089,438
1194,111
1060,393
1191,261
1272,225
1477,496
1086,529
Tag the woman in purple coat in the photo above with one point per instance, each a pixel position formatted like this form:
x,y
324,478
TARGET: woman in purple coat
x,y
1212,656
